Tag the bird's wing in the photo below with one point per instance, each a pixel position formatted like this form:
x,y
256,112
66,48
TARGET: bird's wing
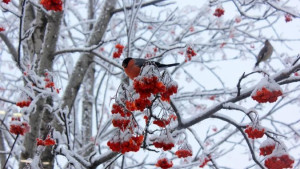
x,y
262,53
140,62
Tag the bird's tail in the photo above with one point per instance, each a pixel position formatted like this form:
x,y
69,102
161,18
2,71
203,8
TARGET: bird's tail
x,y
256,64
166,65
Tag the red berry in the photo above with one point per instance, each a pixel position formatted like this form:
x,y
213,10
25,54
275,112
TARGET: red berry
x,y
219,12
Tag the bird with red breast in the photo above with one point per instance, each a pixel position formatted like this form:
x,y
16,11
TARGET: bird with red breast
x,y
132,66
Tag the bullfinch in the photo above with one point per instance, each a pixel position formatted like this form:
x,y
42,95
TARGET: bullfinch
x,y
132,66
265,53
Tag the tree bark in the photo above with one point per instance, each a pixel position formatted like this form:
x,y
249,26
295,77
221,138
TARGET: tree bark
x,y
40,119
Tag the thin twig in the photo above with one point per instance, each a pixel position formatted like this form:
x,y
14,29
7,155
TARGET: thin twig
x,y
4,166
20,34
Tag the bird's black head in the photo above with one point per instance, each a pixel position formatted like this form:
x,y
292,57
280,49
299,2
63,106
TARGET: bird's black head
x,y
125,62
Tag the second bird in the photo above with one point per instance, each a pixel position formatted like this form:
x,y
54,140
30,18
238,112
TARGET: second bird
x,y
265,53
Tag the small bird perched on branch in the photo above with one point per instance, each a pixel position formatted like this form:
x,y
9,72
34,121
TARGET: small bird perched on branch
x,y
265,53
132,66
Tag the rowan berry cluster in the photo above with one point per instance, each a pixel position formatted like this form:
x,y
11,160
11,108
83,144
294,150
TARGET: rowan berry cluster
x,y
149,90
54,5
279,162
6,1
161,122
164,163
164,122
183,153
267,91
2,29
151,54
49,83
238,19
130,143
121,123
190,53
164,140
266,150
192,29
288,18
204,160
219,12
117,109
146,86
264,95
24,103
18,127
163,145
121,118
127,139
267,147
276,156
47,142
254,132
119,51
165,96
138,104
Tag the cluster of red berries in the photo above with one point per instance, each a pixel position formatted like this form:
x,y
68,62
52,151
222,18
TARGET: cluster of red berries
x,y
190,53
151,85
222,44
192,29
288,18
238,19
213,97
219,12
6,1
17,127
119,51
2,29
266,150
151,54
165,96
47,142
183,153
164,163
205,161
138,104
121,123
148,85
49,83
146,119
54,5
161,122
276,155
133,144
164,122
264,95
117,109
24,103
122,120
254,133
163,145
279,162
